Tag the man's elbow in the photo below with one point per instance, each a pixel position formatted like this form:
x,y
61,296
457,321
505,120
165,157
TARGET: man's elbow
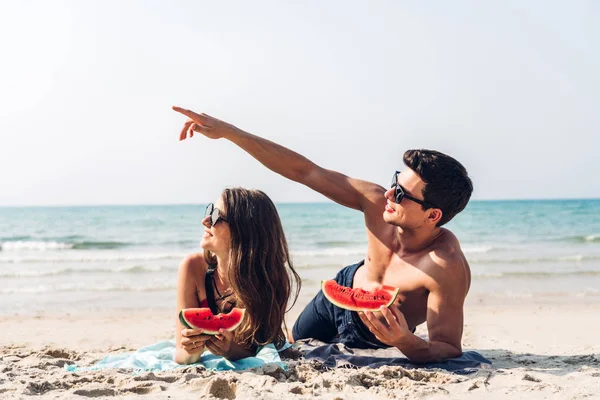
x,y
434,355
454,352
449,351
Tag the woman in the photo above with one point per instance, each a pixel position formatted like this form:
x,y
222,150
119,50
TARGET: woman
x,y
245,264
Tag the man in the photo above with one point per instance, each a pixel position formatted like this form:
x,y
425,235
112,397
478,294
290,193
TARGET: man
x,y
407,246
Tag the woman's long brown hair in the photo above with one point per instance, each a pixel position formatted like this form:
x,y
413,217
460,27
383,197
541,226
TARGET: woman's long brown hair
x,y
260,270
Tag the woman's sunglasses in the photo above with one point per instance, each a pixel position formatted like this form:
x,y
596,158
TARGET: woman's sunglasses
x,y
400,193
214,214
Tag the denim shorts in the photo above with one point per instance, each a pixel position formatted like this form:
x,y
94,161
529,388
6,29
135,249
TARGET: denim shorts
x,y
328,323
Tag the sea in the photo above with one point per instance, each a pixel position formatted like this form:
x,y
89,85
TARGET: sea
x,y
56,260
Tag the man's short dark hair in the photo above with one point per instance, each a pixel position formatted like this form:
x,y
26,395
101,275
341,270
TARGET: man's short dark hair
x,y
447,184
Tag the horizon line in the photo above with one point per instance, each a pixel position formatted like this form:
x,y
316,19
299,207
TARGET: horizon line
x,y
277,202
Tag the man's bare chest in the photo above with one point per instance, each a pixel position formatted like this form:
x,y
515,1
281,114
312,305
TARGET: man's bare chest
x,y
410,280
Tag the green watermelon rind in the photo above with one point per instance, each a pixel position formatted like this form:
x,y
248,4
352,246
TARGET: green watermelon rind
x,y
183,321
393,293
188,325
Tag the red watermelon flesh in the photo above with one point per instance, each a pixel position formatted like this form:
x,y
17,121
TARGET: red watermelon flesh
x,y
203,318
358,299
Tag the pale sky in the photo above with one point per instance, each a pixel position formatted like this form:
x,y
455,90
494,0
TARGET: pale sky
x,y
509,88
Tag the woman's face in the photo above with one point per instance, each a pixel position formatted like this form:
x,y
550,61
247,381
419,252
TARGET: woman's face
x,y
216,238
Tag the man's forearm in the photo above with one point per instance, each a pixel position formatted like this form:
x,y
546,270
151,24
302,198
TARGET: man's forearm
x,y
421,351
277,158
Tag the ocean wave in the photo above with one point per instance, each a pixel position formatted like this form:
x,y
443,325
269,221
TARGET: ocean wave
x,y
478,249
592,238
511,294
70,258
74,242
100,245
533,260
14,238
306,265
589,292
19,245
34,245
533,274
333,251
136,269
338,243
87,288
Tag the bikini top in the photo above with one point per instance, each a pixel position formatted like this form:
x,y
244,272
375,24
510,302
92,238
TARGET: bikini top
x,y
210,287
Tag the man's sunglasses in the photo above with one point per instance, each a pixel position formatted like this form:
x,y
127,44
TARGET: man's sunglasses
x,y
214,214
400,193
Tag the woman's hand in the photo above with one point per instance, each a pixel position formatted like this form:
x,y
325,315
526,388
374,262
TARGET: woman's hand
x,y
205,124
193,341
220,344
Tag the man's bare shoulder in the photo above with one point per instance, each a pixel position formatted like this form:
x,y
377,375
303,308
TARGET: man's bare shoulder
x,y
445,261
374,197
446,251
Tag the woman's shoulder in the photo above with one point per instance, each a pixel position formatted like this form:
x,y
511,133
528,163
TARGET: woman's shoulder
x,y
193,264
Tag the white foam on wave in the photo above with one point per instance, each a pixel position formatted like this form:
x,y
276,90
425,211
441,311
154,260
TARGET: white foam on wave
x,y
576,257
334,251
97,257
31,274
141,269
20,245
518,295
487,274
477,249
534,260
87,288
136,269
592,238
535,274
589,292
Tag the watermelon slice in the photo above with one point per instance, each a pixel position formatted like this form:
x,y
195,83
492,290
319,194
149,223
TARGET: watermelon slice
x,y
203,318
358,299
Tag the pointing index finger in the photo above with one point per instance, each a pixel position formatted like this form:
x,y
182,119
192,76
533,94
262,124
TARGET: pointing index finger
x,y
187,113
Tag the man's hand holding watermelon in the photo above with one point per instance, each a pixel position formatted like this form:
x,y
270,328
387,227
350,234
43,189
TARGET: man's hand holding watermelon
x,y
393,332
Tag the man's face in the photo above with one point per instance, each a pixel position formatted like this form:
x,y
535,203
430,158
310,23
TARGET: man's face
x,y
408,214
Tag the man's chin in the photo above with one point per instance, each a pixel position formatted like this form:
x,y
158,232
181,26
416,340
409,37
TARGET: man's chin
x,y
388,218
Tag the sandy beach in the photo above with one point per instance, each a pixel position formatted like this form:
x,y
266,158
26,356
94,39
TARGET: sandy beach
x,y
542,349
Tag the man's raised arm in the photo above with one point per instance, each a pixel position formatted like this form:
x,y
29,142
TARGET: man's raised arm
x,y
338,187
